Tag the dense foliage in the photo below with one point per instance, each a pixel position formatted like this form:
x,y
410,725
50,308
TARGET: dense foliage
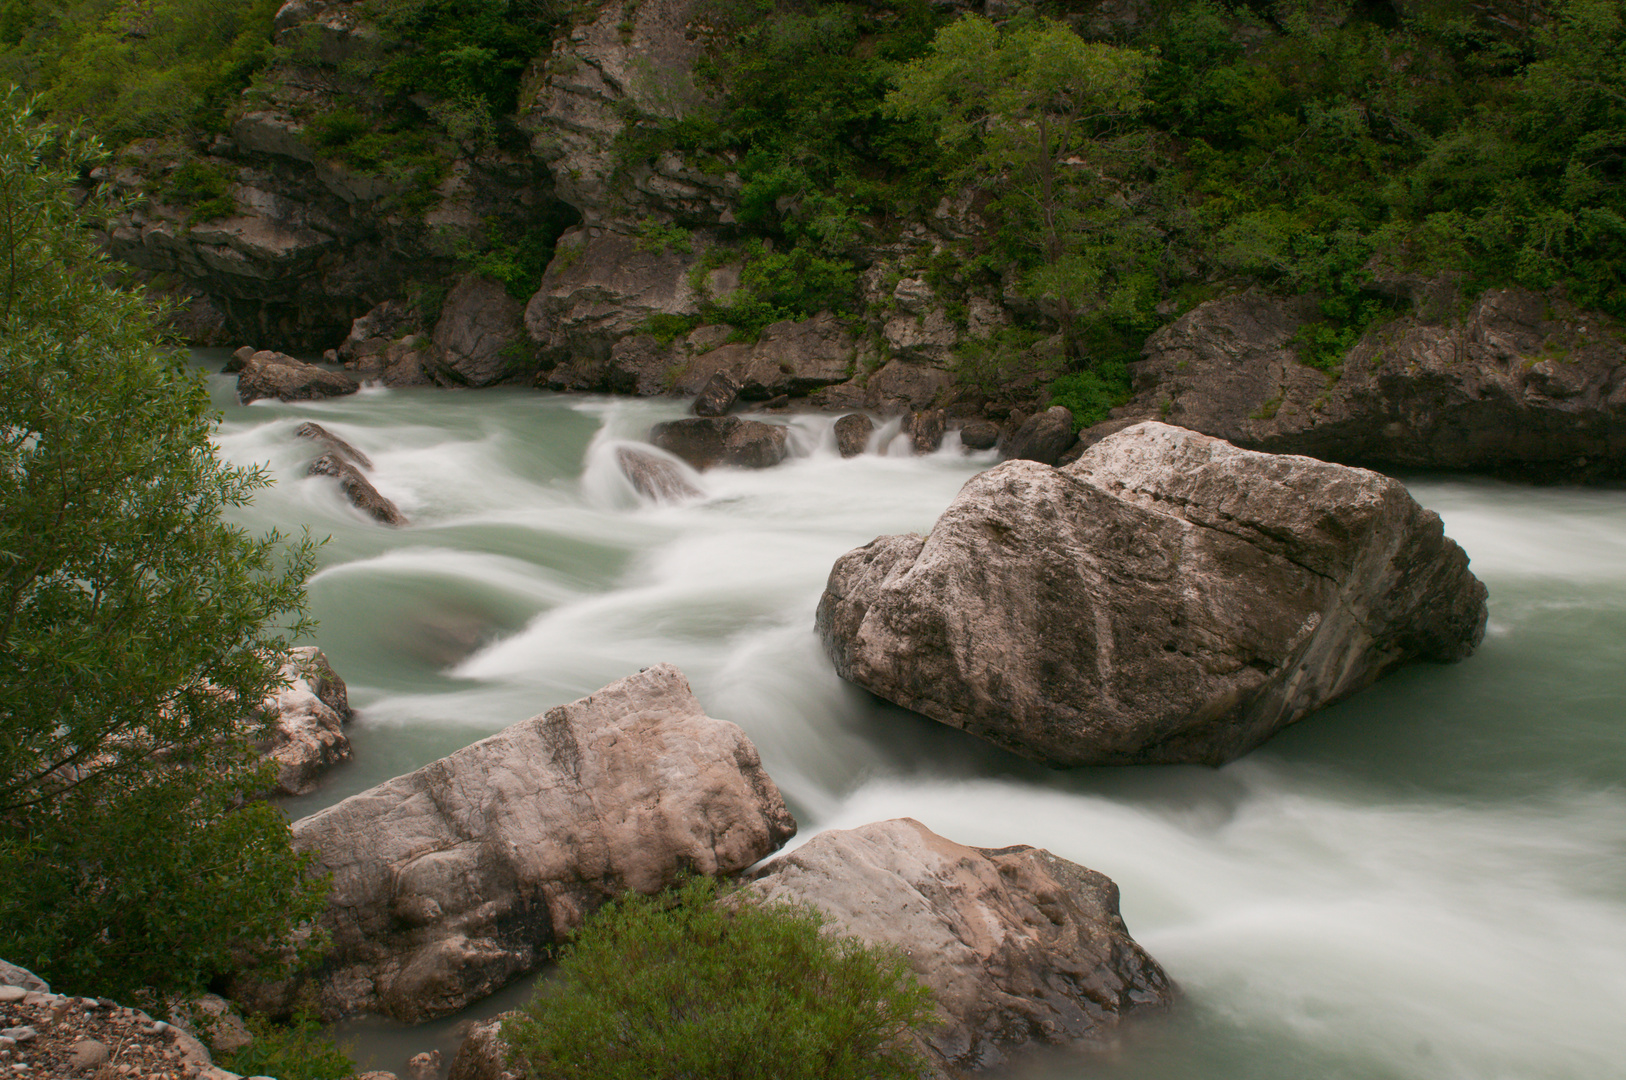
x,y
698,984
137,627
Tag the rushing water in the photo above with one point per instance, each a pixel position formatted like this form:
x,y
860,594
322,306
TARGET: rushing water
x,y
1426,881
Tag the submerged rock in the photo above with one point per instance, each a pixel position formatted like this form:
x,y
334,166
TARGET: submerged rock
x,y
705,441
452,880
1166,598
268,374
357,488
307,734
655,477
330,442
1016,944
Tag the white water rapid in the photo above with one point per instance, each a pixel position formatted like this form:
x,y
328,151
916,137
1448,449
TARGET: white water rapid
x,y
1427,881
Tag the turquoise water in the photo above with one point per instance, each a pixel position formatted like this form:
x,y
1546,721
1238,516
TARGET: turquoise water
x,y
1428,880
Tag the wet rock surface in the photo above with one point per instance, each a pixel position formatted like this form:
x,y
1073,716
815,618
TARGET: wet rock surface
x,y
706,442
307,736
852,434
655,477
452,880
357,488
1166,598
1016,944
267,374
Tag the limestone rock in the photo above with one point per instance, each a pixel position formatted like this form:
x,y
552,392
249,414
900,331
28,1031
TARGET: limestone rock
x,y
1043,436
1166,598
357,488
926,430
1518,383
307,736
717,396
12,975
269,374
452,880
483,1054
705,441
852,434
904,385
480,338
1016,944
655,477
332,444
979,435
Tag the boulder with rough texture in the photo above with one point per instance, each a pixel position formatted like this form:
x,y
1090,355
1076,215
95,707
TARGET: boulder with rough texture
x,y
705,441
452,880
480,338
332,444
1042,437
1166,598
718,395
1514,382
979,435
483,1054
926,429
357,488
655,477
269,374
852,434
1017,945
309,713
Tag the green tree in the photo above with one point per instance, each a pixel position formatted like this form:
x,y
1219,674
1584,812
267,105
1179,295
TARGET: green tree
x,y
1029,108
137,626
697,984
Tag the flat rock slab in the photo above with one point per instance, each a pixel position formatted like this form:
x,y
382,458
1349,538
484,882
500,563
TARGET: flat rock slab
x,y
452,880
1166,598
1017,945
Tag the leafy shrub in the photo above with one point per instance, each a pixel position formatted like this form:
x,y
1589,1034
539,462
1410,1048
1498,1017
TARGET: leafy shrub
x,y
205,188
1091,394
299,1050
696,983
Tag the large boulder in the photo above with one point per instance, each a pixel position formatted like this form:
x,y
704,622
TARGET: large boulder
x,y
655,477
1016,944
452,880
480,338
1042,437
852,434
268,374
308,716
1515,382
1166,598
706,441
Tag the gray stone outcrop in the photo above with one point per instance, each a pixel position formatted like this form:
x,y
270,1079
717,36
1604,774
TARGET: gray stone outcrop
x,y
480,338
308,716
268,374
1017,945
1513,382
452,880
1166,598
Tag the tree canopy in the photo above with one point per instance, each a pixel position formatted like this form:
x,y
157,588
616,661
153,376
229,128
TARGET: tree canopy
x,y
138,627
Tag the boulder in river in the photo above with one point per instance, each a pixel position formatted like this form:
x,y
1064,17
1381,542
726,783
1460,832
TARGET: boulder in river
x,y
307,734
1016,944
655,477
852,434
452,880
357,488
718,395
1166,598
706,441
979,434
268,374
480,338
926,427
330,442
1042,437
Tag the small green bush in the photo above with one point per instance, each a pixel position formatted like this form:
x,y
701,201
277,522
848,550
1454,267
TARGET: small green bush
x,y
695,983
1091,394
299,1050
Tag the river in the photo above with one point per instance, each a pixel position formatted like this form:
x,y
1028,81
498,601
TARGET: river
x,y
1426,881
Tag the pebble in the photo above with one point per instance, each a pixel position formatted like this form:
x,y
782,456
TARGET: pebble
x,y
12,993
21,1034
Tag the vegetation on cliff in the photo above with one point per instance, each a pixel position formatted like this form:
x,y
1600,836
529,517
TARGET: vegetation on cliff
x,y
139,630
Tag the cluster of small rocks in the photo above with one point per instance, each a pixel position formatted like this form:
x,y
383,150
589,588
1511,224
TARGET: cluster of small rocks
x,y
46,1036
